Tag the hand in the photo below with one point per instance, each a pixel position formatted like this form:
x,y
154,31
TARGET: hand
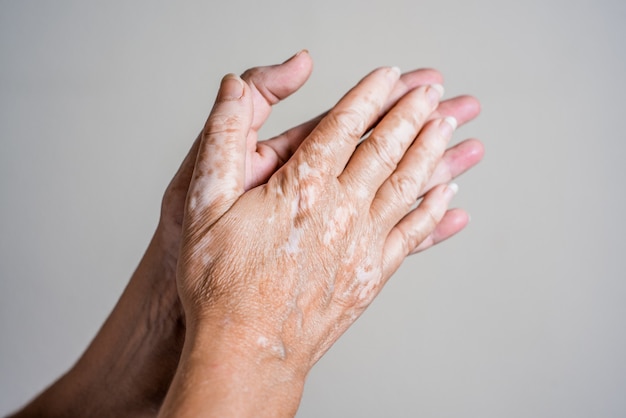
x,y
144,334
271,84
129,366
271,277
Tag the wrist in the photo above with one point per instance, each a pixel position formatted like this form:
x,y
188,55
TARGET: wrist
x,y
232,371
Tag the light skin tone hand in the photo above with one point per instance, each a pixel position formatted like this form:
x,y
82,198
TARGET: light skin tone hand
x,y
271,277
129,366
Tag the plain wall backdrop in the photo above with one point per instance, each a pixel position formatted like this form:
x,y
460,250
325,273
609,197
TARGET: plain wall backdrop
x,y
521,315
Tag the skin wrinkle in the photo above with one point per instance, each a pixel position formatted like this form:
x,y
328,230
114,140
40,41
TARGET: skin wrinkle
x,y
402,185
385,144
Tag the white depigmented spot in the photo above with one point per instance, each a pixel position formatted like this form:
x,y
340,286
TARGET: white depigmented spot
x,y
202,251
337,225
350,251
367,290
209,188
292,246
305,170
329,235
193,202
279,350
308,197
295,204
365,275
322,149
206,258
262,342
362,193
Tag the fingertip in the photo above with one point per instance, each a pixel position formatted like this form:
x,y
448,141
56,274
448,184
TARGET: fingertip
x,y
276,82
302,60
471,105
463,108
467,154
477,149
304,63
452,189
303,51
232,87
421,77
458,218
391,72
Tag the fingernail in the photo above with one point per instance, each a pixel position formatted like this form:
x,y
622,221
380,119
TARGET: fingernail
x,y
451,190
435,93
296,55
396,70
448,125
231,89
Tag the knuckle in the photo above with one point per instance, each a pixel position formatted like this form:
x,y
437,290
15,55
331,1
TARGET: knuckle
x,y
349,122
431,218
413,108
417,117
413,236
408,239
381,150
404,188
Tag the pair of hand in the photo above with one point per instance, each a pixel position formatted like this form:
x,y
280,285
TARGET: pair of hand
x,y
268,86
275,247
273,270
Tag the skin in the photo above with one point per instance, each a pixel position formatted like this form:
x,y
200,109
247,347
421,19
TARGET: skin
x,y
128,368
270,277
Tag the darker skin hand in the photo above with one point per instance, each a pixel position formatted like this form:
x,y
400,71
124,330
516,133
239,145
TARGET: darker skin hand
x,y
270,277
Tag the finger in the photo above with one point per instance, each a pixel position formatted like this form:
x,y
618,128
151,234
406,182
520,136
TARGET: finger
x,y
377,156
400,191
456,160
275,152
271,84
416,226
218,177
333,140
409,82
452,223
462,108
282,147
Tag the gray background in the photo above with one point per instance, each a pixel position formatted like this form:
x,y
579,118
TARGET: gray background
x,y
522,315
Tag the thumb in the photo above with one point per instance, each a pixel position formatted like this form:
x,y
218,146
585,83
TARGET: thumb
x,y
218,177
271,84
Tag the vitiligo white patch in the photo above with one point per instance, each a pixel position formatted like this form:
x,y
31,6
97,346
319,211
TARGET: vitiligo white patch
x,y
292,246
338,224
209,188
262,341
